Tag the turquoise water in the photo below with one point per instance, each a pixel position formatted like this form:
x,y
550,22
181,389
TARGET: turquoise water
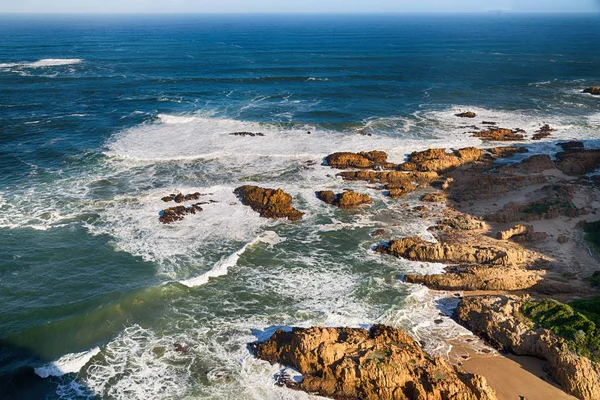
x,y
102,116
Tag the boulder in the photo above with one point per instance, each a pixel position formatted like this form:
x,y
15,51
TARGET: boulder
x,y
467,114
434,198
499,135
439,161
543,132
505,152
270,203
177,213
347,199
382,363
180,198
363,160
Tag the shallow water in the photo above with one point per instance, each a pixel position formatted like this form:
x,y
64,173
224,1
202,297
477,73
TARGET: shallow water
x,y
102,116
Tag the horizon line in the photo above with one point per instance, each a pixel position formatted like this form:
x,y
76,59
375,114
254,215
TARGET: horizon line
x,y
496,12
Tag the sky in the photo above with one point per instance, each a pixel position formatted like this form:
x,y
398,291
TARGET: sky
x,y
306,6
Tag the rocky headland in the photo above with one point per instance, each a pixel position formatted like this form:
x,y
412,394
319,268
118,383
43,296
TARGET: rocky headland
x,y
376,364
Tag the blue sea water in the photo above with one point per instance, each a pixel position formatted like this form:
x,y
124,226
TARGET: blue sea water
x,y
101,116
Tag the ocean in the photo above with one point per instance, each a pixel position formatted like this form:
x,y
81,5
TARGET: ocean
x,y
101,116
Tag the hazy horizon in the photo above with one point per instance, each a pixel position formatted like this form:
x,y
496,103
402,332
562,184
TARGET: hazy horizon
x,y
295,6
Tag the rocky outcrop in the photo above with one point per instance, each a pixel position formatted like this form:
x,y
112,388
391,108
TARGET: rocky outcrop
x,y
499,135
439,161
460,222
382,363
467,114
470,278
434,198
492,185
454,251
595,90
532,165
578,162
390,177
505,152
177,213
499,320
363,160
543,132
398,190
554,201
180,198
270,203
347,199
515,230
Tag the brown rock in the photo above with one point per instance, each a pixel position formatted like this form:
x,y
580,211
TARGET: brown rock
x,y
505,152
578,162
180,198
461,222
454,252
562,239
398,190
347,199
532,165
270,203
469,278
499,135
365,159
595,90
515,230
499,320
395,177
434,198
468,114
177,213
380,364
378,232
439,161
543,132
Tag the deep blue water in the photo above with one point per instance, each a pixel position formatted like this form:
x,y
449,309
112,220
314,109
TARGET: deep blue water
x,y
100,115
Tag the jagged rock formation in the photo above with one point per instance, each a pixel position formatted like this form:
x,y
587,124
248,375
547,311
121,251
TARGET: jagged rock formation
x,y
460,222
478,278
480,187
543,132
180,198
499,135
508,151
364,159
439,161
270,203
578,162
499,320
467,114
177,213
380,364
347,199
456,250
515,230
595,90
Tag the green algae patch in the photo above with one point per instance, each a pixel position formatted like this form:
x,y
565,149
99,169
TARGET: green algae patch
x,y
592,235
577,323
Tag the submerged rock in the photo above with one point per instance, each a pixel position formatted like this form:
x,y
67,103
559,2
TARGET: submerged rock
x,y
543,132
252,134
270,203
177,213
180,198
347,199
382,363
467,114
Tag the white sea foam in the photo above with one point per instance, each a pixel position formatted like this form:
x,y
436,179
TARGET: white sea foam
x,y
43,63
224,264
67,364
